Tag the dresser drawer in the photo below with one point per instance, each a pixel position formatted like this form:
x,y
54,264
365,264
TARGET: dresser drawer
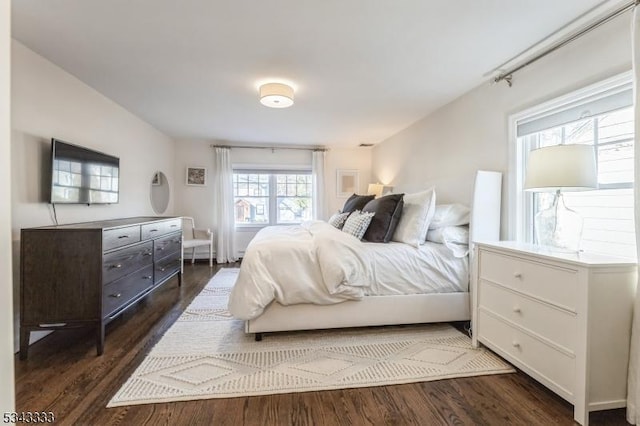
x,y
550,365
166,267
155,229
544,281
114,238
121,262
118,293
166,245
556,325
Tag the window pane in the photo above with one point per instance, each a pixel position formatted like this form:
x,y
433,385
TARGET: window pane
x,y
252,210
294,209
252,198
615,163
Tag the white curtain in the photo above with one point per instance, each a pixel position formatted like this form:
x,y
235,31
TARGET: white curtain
x,y
633,381
317,173
223,205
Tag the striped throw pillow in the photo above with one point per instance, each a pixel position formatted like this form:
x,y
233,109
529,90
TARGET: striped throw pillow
x,y
357,223
338,219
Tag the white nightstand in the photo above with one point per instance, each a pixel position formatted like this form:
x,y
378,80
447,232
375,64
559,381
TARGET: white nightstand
x,y
564,319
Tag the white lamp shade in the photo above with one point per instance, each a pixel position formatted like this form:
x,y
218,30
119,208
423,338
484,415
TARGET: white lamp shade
x,y
276,95
561,167
375,189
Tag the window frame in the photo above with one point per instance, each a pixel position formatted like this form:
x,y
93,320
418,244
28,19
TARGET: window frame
x,y
273,193
520,224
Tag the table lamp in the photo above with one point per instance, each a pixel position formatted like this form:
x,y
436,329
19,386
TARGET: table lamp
x,y
560,168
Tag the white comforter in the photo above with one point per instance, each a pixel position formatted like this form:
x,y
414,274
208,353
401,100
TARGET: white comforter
x,y
310,263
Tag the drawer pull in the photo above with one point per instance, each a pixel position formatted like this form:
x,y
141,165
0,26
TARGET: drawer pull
x,y
160,248
517,309
116,296
119,265
147,253
147,277
123,236
174,226
153,230
516,344
517,274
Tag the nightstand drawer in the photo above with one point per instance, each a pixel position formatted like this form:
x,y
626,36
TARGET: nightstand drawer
x,y
555,368
547,321
544,281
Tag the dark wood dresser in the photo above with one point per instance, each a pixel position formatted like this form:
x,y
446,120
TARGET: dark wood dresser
x,y
86,274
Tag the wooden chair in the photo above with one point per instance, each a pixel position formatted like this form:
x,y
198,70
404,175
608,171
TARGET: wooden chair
x,y
193,238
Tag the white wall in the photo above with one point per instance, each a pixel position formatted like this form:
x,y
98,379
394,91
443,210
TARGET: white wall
x,y
7,387
471,132
47,102
198,201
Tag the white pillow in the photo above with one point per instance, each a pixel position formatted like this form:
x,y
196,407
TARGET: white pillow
x,y
450,215
417,212
357,223
338,219
455,238
452,234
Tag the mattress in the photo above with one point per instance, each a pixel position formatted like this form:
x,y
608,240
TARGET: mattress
x,y
400,268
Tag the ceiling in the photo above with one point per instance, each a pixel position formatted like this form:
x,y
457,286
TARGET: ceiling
x,y
363,69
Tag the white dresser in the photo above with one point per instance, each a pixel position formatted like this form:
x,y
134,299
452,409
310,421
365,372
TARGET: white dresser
x,y
564,319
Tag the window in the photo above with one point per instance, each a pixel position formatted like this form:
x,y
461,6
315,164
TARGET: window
x,y
272,197
601,116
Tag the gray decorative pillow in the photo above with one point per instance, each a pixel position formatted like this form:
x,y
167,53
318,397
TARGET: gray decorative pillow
x,y
338,219
388,210
357,223
356,202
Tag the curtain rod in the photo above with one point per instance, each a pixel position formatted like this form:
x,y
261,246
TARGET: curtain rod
x,y
272,148
507,75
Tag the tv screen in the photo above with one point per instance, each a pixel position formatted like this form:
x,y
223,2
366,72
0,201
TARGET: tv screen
x,y
83,176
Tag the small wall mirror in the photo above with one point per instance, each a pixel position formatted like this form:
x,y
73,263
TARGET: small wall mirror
x,y
159,192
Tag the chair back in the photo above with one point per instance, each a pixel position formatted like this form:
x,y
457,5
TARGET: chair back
x,y
187,228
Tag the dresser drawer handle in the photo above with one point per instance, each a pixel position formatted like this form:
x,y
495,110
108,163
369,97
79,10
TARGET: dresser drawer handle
x,y
174,226
515,344
517,309
153,230
116,296
517,275
117,266
160,248
147,253
147,277
123,236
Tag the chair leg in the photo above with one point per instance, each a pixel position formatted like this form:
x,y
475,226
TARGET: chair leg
x,y
193,255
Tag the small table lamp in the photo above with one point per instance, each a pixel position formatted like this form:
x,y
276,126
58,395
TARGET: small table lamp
x,y
559,168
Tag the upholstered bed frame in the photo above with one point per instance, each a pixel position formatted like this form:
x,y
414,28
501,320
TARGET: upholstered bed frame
x,y
405,309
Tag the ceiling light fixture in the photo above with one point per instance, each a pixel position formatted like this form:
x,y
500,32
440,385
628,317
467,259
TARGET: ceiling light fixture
x,y
276,95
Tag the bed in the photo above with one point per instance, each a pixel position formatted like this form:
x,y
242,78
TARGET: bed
x,y
387,302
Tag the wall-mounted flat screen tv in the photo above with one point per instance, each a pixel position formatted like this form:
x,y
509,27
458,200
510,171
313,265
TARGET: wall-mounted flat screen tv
x,y
83,176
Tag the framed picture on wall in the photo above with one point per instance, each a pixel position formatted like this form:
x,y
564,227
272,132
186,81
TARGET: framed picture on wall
x,y
347,183
196,176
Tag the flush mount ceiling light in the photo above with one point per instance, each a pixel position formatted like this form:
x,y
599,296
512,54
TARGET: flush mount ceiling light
x,y
276,95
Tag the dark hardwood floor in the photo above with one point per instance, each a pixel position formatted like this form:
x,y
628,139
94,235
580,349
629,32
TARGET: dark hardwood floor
x,y
63,375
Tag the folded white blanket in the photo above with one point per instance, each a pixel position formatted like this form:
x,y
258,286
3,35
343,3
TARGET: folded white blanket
x,y
309,263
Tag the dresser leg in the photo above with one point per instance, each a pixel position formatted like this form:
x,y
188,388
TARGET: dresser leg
x,y
179,279
100,338
25,333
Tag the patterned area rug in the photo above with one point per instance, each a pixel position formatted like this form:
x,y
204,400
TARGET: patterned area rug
x,y
206,354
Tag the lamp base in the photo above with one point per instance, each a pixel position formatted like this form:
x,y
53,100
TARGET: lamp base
x,y
559,227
